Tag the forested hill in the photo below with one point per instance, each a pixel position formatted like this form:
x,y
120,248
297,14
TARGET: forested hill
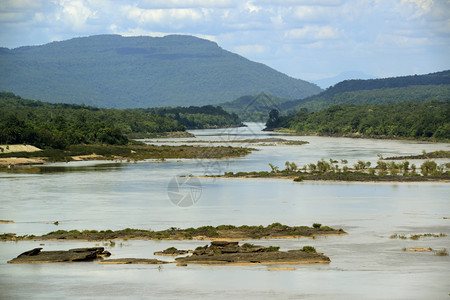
x,y
129,72
417,88
428,120
51,125
438,78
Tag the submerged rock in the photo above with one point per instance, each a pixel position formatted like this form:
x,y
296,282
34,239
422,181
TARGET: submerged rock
x,y
121,261
231,253
72,255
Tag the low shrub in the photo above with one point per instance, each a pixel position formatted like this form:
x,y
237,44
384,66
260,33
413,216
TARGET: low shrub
x,y
309,249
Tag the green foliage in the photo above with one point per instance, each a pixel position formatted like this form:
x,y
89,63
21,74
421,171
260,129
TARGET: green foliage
x,y
131,72
248,245
309,249
57,126
195,117
429,167
171,249
425,120
317,225
323,166
434,86
225,227
442,252
272,249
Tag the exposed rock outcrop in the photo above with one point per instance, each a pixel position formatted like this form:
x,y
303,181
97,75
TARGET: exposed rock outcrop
x,y
222,252
172,251
79,254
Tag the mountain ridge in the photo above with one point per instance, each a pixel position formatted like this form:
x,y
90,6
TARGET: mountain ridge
x,y
130,72
417,88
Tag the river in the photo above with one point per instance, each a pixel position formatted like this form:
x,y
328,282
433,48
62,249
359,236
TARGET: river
x,y
366,263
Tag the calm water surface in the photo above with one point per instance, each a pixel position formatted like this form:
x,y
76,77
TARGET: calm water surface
x,y
366,264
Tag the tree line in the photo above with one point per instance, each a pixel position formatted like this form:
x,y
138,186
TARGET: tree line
x,y
48,125
195,117
417,120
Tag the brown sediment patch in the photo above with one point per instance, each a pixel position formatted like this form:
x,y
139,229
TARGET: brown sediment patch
x,y
18,148
123,261
92,156
6,221
15,161
281,269
419,249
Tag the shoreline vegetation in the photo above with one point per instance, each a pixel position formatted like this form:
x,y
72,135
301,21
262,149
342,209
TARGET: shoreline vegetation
x,y
362,171
426,121
259,142
136,152
58,126
218,233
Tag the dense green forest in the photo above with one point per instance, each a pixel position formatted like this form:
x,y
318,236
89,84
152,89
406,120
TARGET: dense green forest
x,y
434,86
195,117
138,72
59,125
418,120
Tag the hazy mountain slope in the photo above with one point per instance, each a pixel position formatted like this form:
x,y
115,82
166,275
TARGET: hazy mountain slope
x,y
116,71
347,75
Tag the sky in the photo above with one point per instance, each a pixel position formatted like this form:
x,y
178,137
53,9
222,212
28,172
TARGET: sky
x,y
306,39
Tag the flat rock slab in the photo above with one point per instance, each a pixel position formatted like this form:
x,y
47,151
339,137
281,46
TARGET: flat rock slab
x,y
223,252
72,255
290,257
122,261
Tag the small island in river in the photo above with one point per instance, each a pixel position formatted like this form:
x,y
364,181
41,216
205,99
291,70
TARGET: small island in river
x,y
221,232
331,170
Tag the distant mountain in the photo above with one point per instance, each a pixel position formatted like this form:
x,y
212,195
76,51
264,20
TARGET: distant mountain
x,y
254,108
417,88
129,72
327,82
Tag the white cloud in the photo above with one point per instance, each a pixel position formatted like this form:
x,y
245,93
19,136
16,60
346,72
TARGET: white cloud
x,y
292,36
313,33
402,41
75,13
301,2
186,3
144,16
251,7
